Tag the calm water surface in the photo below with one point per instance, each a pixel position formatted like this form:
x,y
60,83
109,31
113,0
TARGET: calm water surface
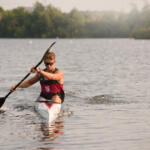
x,y
107,105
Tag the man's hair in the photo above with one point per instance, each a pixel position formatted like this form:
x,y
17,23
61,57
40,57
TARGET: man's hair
x,y
50,55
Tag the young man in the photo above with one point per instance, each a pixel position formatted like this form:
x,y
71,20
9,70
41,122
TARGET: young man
x,y
51,80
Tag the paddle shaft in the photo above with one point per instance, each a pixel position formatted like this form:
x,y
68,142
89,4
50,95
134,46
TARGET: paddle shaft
x,y
34,68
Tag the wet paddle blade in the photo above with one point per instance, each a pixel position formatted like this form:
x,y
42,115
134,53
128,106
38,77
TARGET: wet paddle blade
x,y
2,100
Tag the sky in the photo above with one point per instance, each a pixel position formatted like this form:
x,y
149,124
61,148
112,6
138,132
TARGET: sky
x,y
67,5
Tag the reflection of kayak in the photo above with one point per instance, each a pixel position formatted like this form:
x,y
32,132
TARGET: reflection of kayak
x,y
48,112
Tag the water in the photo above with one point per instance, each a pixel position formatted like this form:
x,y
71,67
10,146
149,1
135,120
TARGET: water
x,y
107,105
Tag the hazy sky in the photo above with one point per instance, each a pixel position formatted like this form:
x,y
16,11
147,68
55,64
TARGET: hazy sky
x,y
67,5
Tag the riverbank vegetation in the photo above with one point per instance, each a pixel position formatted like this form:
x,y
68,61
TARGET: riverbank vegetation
x,y
50,22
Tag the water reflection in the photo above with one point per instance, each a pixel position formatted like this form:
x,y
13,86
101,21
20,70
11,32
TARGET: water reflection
x,y
108,99
51,134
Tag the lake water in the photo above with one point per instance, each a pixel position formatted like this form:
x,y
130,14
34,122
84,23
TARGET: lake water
x,y
107,105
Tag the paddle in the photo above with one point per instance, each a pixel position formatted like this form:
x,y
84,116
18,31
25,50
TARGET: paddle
x,y
2,99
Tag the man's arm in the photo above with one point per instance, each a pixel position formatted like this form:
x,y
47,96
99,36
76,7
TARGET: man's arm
x,y
29,82
53,76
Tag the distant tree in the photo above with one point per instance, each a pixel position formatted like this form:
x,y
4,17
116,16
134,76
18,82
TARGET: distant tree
x,y
76,23
142,33
1,9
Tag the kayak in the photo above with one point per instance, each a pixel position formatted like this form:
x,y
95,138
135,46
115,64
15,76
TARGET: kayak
x,y
48,112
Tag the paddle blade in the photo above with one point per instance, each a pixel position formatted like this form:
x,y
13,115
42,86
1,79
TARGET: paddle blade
x,y
2,100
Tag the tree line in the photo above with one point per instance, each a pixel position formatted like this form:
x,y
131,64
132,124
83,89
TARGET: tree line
x,y
50,22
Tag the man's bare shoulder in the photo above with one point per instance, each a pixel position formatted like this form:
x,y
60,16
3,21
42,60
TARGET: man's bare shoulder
x,y
59,72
